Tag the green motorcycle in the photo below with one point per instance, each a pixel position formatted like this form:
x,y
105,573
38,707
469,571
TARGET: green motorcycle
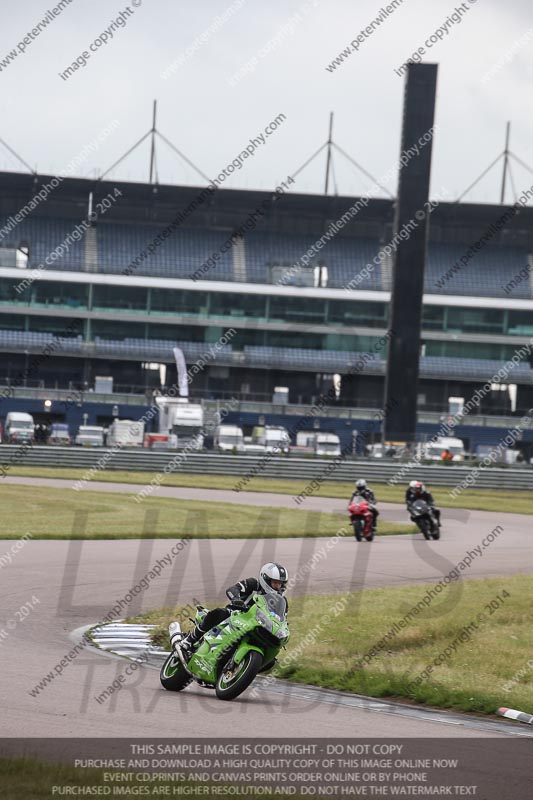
x,y
230,655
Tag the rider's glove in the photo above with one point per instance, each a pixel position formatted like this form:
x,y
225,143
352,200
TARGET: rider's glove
x,y
237,603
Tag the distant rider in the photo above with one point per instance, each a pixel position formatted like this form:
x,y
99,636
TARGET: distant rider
x,y
363,490
417,491
272,580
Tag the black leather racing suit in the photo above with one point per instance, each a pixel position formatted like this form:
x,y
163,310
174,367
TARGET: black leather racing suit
x,y
240,593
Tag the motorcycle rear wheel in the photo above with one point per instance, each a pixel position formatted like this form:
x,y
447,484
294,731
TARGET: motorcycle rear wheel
x,y
231,684
173,676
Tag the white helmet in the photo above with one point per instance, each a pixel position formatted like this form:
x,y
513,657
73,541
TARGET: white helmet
x,y
273,572
361,484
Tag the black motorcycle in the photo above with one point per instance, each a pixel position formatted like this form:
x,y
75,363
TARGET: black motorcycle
x,y
425,519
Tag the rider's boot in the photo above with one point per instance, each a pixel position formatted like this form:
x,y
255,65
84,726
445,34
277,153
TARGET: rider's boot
x,y
188,642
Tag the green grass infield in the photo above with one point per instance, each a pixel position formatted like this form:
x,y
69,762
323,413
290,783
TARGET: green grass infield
x,y
61,514
475,499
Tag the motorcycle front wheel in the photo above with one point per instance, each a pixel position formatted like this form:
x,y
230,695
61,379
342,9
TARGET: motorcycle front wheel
x,y
234,679
423,524
173,676
358,528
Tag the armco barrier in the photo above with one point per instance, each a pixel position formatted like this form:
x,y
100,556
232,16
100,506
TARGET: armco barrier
x,y
269,467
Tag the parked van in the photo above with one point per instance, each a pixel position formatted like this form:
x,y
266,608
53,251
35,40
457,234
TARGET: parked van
x,y
125,433
269,439
59,434
277,439
19,427
229,438
90,436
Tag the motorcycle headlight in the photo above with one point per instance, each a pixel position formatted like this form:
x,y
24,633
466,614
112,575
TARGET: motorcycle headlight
x,y
263,619
283,633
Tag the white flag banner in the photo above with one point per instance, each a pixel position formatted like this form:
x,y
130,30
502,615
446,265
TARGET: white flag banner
x,y
182,372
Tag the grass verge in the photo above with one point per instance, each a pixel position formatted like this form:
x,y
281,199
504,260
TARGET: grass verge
x,y
23,777
364,649
478,499
57,514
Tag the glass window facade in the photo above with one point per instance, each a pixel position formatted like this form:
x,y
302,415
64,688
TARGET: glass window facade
x,y
170,301
12,322
9,293
63,326
485,350
125,298
433,318
176,333
297,309
54,293
216,311
352,312
228,304
110,329
520,323
311,341
475,320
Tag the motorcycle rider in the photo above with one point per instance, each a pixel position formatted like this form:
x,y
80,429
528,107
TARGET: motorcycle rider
x,y
363,490
273,578
417,491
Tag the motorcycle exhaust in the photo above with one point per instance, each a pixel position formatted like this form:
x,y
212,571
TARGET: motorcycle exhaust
x,y
176,635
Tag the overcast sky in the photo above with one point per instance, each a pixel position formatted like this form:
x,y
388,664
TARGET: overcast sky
x,y
48,120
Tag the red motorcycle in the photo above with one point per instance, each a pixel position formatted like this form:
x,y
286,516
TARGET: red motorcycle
x,y
362,519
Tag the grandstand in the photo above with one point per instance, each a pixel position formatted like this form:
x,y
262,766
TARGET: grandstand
x,y
296,324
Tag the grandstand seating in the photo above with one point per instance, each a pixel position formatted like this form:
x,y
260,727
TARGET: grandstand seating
x,y
43,237
314,360
478,368
485,275
178,256
329,361
344,257
20,340
161,348
187,250
343,362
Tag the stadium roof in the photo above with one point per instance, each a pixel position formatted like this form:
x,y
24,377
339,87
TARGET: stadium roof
x,y
226,208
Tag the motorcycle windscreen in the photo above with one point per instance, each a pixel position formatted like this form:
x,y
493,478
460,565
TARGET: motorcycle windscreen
x,y
276,605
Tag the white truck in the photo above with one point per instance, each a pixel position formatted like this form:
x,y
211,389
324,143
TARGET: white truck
x,y
19,427
432,451
327,444
181,420
125,433
229,438
319,443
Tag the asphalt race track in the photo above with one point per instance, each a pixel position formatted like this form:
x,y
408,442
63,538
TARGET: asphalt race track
x,y
71,584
